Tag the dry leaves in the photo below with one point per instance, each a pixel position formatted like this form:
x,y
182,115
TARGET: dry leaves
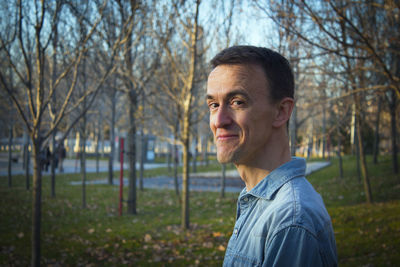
x,y
221,248
147,238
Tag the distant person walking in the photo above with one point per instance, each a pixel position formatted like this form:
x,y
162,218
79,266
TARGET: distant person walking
x,y
45,156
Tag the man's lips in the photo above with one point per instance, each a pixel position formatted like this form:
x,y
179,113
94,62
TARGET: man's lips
x,y
226,137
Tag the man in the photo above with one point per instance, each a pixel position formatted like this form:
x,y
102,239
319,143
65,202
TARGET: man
x,y
281,220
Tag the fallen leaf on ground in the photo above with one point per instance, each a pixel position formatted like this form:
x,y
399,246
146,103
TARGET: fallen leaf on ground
x,y
147,238
217,234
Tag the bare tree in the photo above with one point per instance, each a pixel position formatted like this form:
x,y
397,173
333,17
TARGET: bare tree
x,y
10,159
342,30
376,136
137,64
26,46
374,50
171,116
110,28
112,95
184,69
285,14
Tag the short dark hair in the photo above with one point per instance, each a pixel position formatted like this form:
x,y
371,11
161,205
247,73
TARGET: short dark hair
x,y
276,67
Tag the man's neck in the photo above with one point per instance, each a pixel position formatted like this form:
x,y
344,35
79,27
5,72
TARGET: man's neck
x,y
253,173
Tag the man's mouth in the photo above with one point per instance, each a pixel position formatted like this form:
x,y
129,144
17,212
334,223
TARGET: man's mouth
x,y
226,137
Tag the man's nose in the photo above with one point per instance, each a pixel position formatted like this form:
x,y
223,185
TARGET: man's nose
x,y
222,117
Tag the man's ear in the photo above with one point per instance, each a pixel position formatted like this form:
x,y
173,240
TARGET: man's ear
x,y
284,110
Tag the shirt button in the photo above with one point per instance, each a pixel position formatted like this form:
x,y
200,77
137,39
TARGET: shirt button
x,y
235,231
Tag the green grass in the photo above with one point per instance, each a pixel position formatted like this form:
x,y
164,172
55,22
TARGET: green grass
x,y
366,235
212,167
163,159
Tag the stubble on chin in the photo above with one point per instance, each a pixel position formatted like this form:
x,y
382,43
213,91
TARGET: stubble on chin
x,y
228,152
225,157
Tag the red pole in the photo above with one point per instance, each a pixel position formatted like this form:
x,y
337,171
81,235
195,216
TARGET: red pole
x,y
121,173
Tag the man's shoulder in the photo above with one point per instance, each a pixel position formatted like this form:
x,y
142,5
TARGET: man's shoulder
x,y
297,204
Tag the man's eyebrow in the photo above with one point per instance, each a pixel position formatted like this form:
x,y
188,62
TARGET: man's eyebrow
x,y
240,92
233,93
209,97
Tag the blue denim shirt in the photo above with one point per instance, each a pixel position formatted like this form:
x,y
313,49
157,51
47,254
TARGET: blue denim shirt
x,y
282,221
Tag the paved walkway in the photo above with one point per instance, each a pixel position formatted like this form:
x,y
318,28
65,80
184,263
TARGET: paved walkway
x,y
206,181
71,166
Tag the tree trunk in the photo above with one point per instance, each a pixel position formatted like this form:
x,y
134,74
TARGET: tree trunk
x,y
101,135
132,152
97,148
188,94
132,96
223,179
340,162
339,150
169,151
36,201
142,146
194,160
176,160
142,158
185,176
353,134
393,105
315,145
53,164
112,141
24,151
364,171
323,131
376,136
53,135
357,150
206,152
98,140
83,160
27,167
9,168
26,160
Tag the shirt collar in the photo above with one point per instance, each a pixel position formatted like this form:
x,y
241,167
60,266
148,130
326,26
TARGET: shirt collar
x,y
278,177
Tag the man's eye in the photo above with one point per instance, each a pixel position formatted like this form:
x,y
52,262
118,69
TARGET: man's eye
x,y
237,102
212,105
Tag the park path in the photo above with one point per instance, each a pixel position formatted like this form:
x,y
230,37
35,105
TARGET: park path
x,y
202,181
205,181
71,166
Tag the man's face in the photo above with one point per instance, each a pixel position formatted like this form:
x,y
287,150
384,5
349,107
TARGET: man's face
x,y
241,112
